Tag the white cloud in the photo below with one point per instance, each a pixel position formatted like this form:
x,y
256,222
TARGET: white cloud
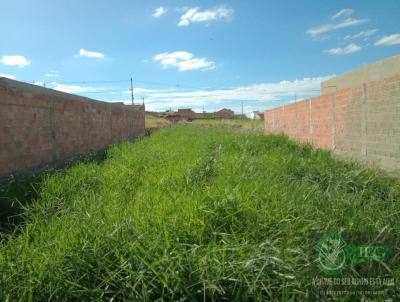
x,y
361,34
19,61
90,54
259,96
183,61
343,12
71,88
393,39
256,92
255,96
159,12
39,83
52,74
315,31
351,48
3,75
195,15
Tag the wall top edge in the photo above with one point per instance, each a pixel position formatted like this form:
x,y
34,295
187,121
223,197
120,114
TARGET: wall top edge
x,y
23,87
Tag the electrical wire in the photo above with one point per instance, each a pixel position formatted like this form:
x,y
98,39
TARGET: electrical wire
x,y
138,81
127,90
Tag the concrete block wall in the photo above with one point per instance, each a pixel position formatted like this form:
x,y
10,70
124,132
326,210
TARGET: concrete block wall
x,y
361,122
40,126
376,71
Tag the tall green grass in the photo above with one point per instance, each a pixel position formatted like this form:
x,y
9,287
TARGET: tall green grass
x,y
237,123
191,213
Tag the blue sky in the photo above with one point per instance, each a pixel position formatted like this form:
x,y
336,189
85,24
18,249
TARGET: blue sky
x,y
199,54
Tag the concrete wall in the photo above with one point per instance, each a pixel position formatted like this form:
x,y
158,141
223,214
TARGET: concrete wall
x,y
40,126
361,122
387,68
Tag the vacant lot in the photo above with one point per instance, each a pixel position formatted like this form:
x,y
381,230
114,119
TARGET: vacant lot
x,y
156,122
192,213
243,124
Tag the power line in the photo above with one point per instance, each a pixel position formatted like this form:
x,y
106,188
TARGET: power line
x,y
126,91
167,85
93,82
98,91
138,81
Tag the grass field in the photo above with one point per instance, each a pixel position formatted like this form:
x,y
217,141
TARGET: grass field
x,y
192,213
156,122
243,124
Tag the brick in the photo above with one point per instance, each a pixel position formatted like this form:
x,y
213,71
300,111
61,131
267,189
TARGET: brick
x,y
362,122
27,125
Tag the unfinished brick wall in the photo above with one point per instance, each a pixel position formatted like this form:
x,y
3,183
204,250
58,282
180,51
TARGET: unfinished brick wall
x,y
40,126
361,123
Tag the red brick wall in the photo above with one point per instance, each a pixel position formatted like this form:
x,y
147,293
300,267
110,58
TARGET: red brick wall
x,y
40,126
361,122
303,121
321,119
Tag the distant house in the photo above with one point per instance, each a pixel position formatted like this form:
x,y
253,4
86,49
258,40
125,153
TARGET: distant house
x,y
257,115
224,113
186,113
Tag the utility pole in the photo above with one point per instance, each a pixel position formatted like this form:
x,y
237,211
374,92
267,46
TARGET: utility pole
x,y
242,109
132,91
